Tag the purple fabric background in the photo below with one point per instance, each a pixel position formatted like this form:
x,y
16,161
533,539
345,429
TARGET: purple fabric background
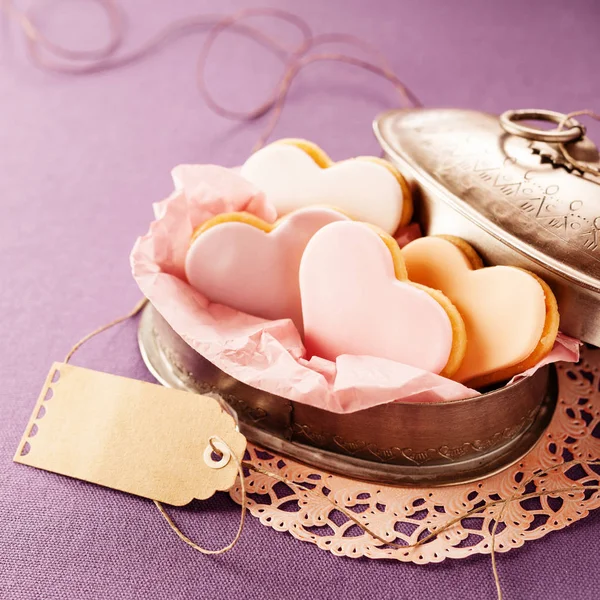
x,y
82,160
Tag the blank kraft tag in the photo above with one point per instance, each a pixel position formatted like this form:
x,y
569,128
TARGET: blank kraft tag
x,y
129,435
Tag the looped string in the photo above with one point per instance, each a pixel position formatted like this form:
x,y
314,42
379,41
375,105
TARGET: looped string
x,y
235,540
299,58
303,62
229,21
50,56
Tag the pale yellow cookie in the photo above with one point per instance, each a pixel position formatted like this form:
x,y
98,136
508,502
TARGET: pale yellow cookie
x,y
295,173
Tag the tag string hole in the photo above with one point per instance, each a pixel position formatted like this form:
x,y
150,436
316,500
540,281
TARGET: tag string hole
x,y
215,451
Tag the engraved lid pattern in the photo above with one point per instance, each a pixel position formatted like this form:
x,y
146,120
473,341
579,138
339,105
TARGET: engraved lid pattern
x,y
501,182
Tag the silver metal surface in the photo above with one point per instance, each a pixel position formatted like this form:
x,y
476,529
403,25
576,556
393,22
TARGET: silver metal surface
x,y
589,164
475,181
398,443
509,121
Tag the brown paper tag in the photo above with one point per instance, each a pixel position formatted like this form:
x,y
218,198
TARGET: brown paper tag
x,y
132,436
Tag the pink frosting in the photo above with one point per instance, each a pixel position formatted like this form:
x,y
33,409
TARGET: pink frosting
x,y
248,269
353,303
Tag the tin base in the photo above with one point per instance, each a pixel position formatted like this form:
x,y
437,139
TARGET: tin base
x,y
158,356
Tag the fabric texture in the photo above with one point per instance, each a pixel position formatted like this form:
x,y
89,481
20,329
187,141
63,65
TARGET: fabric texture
x,y
84,158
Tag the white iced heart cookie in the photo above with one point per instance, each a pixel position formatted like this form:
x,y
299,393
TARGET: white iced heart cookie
x,y
295,174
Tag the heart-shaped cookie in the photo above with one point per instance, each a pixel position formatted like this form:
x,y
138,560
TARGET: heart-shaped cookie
x,y
248,264
510,314
356,299
296,173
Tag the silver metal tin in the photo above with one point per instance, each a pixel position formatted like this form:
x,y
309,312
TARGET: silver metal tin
x,y
397,443
511,198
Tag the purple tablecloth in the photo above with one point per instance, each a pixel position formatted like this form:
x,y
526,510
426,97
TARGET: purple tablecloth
x,y
82,160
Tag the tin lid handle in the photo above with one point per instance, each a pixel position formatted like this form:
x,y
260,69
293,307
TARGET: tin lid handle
x,y
569,129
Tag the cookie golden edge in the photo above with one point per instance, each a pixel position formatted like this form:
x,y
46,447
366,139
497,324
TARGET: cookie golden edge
x,y
231,217
459,331
323,160
313,150
253,220
468,251
543,348
549,331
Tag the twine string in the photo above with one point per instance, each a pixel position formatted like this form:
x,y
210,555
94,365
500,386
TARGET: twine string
x,y
35,38
229,21
298,59
103,59
48,55
295,68
238,534
132,313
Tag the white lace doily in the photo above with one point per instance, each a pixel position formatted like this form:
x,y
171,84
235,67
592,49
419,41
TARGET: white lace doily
x,y
405,515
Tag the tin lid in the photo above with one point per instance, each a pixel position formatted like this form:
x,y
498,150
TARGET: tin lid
x,y
516,199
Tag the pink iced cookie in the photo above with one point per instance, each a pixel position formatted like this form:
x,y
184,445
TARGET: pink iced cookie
x,y
356,299
248,264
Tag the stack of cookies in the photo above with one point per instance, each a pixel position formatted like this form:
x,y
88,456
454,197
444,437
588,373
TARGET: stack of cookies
x,y
332,265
